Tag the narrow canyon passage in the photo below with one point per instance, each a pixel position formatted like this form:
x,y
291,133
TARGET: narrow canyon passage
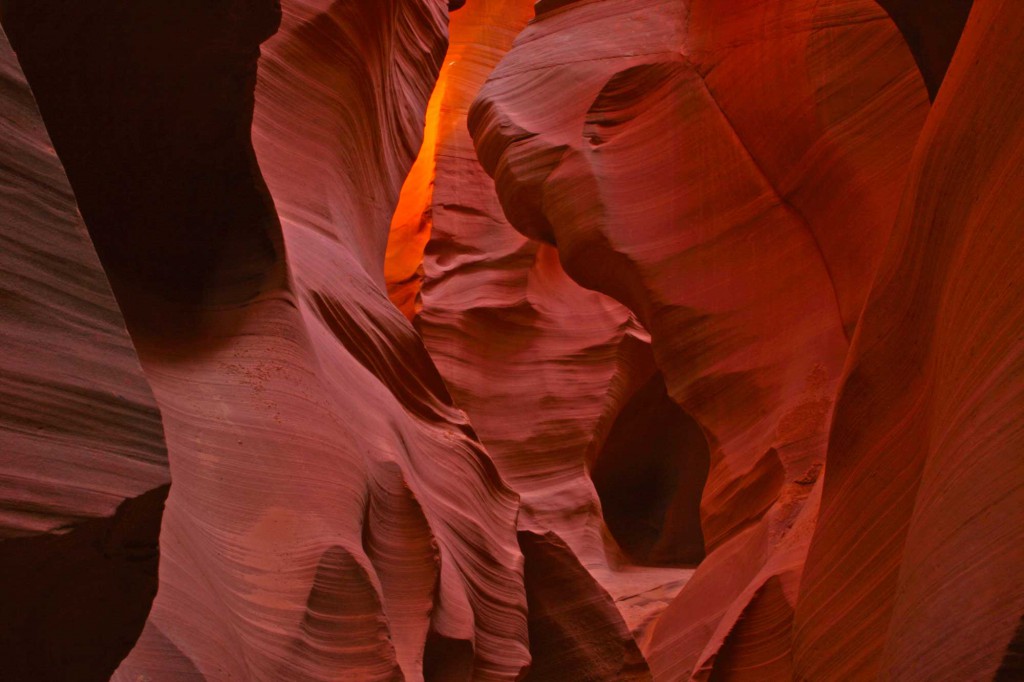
x,y
495,340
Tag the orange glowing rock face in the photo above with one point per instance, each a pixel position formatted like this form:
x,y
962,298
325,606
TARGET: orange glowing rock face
x,y
410,225
478,36
686,347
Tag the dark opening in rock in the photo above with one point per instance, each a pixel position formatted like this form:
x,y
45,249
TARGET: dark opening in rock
x,y
650,476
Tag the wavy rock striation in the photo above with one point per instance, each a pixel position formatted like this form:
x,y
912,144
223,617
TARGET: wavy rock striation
x,y
704,361
557,380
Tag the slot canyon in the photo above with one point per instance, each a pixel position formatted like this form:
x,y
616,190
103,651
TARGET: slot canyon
x,y
482,340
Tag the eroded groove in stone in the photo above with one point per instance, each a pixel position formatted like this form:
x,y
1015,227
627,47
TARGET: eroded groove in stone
x,y
932,31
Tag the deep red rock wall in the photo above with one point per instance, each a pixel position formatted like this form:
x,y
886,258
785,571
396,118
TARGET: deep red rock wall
x,y
544,369
337,504
923,492
302,535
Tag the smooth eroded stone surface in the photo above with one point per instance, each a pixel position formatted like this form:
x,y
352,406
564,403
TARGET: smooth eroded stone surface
x,y
914,570
557,380
691,351
361,521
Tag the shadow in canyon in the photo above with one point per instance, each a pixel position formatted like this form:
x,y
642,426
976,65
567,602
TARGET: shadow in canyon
x,y
650,475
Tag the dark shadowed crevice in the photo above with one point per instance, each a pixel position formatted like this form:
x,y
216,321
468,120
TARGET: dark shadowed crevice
x,y
73,605
344,626
149,106
546,6
932,31
408,373
1012,667
446,659
650,475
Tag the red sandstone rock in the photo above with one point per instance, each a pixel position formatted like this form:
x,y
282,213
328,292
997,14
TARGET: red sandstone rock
x,y
364,528
76,408
514,338
914,569
330,508
744,239
574,629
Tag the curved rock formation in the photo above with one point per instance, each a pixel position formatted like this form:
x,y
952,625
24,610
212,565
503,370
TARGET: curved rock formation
x,y
315,452
546,370
361,570
744,240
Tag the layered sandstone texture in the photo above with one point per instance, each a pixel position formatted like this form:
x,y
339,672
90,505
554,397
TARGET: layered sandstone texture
x,y
501,340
